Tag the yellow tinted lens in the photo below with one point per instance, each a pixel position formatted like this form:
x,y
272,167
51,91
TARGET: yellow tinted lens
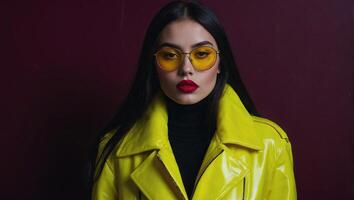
x,y
168,59
203,58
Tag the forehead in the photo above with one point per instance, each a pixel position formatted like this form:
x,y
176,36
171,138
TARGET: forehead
x,y
185,33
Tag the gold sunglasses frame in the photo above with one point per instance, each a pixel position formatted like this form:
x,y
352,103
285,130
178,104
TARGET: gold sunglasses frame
x,y
185,53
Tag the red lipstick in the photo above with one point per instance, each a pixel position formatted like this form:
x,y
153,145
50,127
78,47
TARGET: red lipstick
x,y
187,86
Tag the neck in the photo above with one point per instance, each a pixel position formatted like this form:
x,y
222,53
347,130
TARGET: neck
x,y
185,113
191,119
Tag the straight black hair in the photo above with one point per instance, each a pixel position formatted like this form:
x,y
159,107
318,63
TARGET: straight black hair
x,y
146,82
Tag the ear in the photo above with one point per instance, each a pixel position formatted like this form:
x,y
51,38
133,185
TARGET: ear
x,y
218,70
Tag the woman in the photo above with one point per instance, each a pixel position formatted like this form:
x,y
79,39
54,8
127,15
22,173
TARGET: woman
x,y
188,128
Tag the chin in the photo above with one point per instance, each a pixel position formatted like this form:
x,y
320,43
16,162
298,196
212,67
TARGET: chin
x,y
187,99
186,102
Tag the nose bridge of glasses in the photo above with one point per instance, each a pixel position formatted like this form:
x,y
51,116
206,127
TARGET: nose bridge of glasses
x,y
188,55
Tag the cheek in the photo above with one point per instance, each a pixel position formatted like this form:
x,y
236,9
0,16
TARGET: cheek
x,y
209,77
166,78
208,81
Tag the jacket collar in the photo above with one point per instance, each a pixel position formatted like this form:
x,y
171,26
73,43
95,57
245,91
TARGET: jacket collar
x,y
234,126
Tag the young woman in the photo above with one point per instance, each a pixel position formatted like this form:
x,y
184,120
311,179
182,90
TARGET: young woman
x,y
188,129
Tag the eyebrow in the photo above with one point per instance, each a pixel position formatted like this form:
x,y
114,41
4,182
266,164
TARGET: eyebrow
x,y
179,47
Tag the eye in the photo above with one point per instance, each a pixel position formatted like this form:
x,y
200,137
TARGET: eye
x,y
202,54
169,55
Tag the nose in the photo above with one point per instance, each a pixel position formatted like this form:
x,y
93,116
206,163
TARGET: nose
x,y
187,67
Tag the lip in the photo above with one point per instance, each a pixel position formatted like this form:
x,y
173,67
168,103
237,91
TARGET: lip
x,y
187,86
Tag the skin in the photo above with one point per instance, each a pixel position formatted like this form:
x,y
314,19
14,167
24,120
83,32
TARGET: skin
x,y
185,33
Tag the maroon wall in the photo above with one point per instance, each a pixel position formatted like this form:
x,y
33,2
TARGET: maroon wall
x,y
66,66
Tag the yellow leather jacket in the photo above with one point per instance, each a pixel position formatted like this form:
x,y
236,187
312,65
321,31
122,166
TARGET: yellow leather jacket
x,y
248,158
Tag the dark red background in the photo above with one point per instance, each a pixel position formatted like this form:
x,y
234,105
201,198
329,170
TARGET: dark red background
x,y
66,65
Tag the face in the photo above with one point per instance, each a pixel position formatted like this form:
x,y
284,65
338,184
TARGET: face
x,y
186,84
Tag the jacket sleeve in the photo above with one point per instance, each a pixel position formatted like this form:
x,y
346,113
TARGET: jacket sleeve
x,y
283,185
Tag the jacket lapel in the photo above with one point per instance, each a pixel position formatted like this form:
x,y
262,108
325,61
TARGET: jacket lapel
x,y
157,176
170,168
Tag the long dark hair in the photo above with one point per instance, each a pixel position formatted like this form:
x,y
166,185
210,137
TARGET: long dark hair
x,y
146,82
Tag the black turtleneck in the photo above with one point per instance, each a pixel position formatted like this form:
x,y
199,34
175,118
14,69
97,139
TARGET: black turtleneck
x,y
189,135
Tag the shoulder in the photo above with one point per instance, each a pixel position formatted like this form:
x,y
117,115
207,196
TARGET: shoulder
x,y
107,136
103,142
273,136
269,128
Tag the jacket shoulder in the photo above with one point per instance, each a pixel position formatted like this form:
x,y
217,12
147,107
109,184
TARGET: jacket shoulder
x,y
270,127
103,142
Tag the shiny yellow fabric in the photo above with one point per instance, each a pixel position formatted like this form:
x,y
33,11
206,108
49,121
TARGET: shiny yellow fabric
x,y
248,158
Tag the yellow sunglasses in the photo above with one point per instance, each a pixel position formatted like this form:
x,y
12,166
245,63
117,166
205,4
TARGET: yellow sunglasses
x,y
202,58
